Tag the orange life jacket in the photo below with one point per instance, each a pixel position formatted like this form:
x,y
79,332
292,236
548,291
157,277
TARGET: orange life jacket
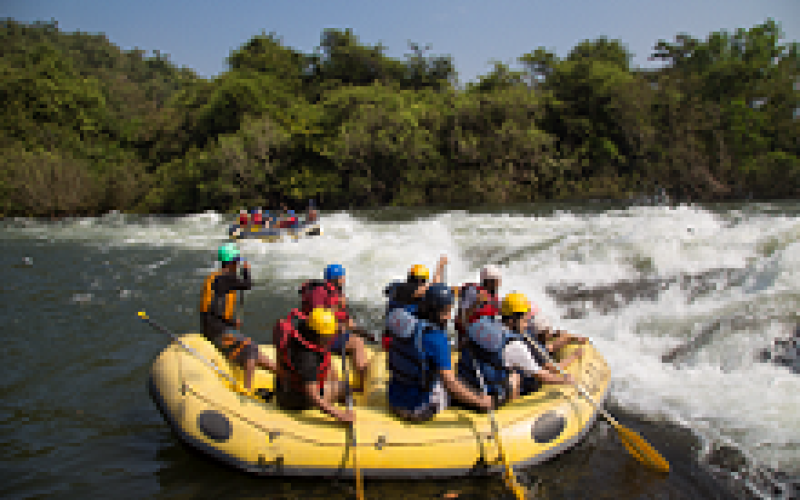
x,y
208,296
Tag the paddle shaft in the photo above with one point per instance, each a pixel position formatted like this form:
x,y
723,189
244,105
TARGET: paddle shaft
x,y
515,487
192,351
349,395
632,442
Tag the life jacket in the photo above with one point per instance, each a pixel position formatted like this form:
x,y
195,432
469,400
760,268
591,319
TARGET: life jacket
x,y
307,288
486,339
407,360
400,297
221,306
257,218
242,219
489,308
285,330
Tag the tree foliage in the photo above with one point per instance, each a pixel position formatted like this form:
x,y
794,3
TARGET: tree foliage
x,y
89,127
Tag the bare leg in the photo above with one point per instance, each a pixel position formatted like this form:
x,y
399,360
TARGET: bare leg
x,y
515,381
249,369
355,347
266,363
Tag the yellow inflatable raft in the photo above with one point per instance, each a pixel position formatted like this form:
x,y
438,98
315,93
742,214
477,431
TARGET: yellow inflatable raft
x,y
261,438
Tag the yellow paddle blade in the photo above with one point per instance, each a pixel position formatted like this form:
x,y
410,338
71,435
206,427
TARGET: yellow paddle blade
x,y
510,478
142,314
641,449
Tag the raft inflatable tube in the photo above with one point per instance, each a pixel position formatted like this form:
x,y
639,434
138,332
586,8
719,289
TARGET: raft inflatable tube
x,y
259,437
272,235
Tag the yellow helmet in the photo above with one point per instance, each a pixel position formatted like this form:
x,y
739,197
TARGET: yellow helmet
x,y
419,271
322,321
515,302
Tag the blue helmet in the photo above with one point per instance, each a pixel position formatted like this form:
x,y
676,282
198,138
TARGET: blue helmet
x,y
290,212
334,271
439,296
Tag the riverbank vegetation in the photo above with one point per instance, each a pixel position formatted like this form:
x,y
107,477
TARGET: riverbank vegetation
x,y
89,127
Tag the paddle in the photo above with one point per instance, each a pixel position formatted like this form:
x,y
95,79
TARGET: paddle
x,y
234,384
352,427
511,479
634,443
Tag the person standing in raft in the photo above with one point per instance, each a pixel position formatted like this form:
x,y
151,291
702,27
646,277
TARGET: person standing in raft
x,y
510,367
410,293
422,378
329,294
217,307
304,354
478,300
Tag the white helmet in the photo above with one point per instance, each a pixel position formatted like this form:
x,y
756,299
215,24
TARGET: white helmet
x,y
490,272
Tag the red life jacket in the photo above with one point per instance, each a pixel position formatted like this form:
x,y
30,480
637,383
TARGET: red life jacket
x,y
242,219
489,308
257,219
307,288
282,334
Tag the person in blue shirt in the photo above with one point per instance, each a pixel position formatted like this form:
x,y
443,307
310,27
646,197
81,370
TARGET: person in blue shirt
x,y
422,376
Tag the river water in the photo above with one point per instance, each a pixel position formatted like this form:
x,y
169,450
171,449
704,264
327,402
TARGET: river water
x,y
713,285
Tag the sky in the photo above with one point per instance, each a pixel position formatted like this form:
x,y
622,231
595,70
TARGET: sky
x,y
200,34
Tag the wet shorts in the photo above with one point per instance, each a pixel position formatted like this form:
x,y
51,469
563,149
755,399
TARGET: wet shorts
x,y
236,347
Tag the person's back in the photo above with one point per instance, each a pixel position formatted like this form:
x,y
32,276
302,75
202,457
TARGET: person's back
x,y
422,378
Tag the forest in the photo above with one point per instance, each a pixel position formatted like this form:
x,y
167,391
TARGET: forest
x,y
89,128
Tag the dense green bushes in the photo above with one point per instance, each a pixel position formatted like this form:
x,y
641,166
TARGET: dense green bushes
x,y
88,127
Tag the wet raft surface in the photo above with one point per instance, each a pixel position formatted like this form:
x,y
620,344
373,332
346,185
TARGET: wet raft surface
x,y
262,438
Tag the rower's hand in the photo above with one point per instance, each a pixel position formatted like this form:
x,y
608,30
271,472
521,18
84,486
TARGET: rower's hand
x,y
246,265
486,402
348,417
568,379
237,324
443,260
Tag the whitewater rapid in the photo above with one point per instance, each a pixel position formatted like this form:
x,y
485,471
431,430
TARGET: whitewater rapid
x,y
719,390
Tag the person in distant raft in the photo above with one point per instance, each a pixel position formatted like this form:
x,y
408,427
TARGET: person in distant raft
x,y
330,295
243,219
478,300
409,294
311,213
306,380
290,221
422,379
509,366
217,307
258,219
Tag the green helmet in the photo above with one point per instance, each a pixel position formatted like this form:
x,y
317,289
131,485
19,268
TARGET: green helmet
x,y
228,253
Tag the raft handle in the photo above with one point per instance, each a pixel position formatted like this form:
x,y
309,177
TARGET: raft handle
x,y
380,443
273,435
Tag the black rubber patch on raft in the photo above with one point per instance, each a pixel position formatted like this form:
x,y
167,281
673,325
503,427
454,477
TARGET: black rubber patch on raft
x,y
548,427
215,425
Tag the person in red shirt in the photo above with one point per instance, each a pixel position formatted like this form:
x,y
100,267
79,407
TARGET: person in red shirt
x,y
258,219
477,300
329,294
243,219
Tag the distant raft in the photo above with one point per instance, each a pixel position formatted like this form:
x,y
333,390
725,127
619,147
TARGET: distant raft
x,y
271,235
259,437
